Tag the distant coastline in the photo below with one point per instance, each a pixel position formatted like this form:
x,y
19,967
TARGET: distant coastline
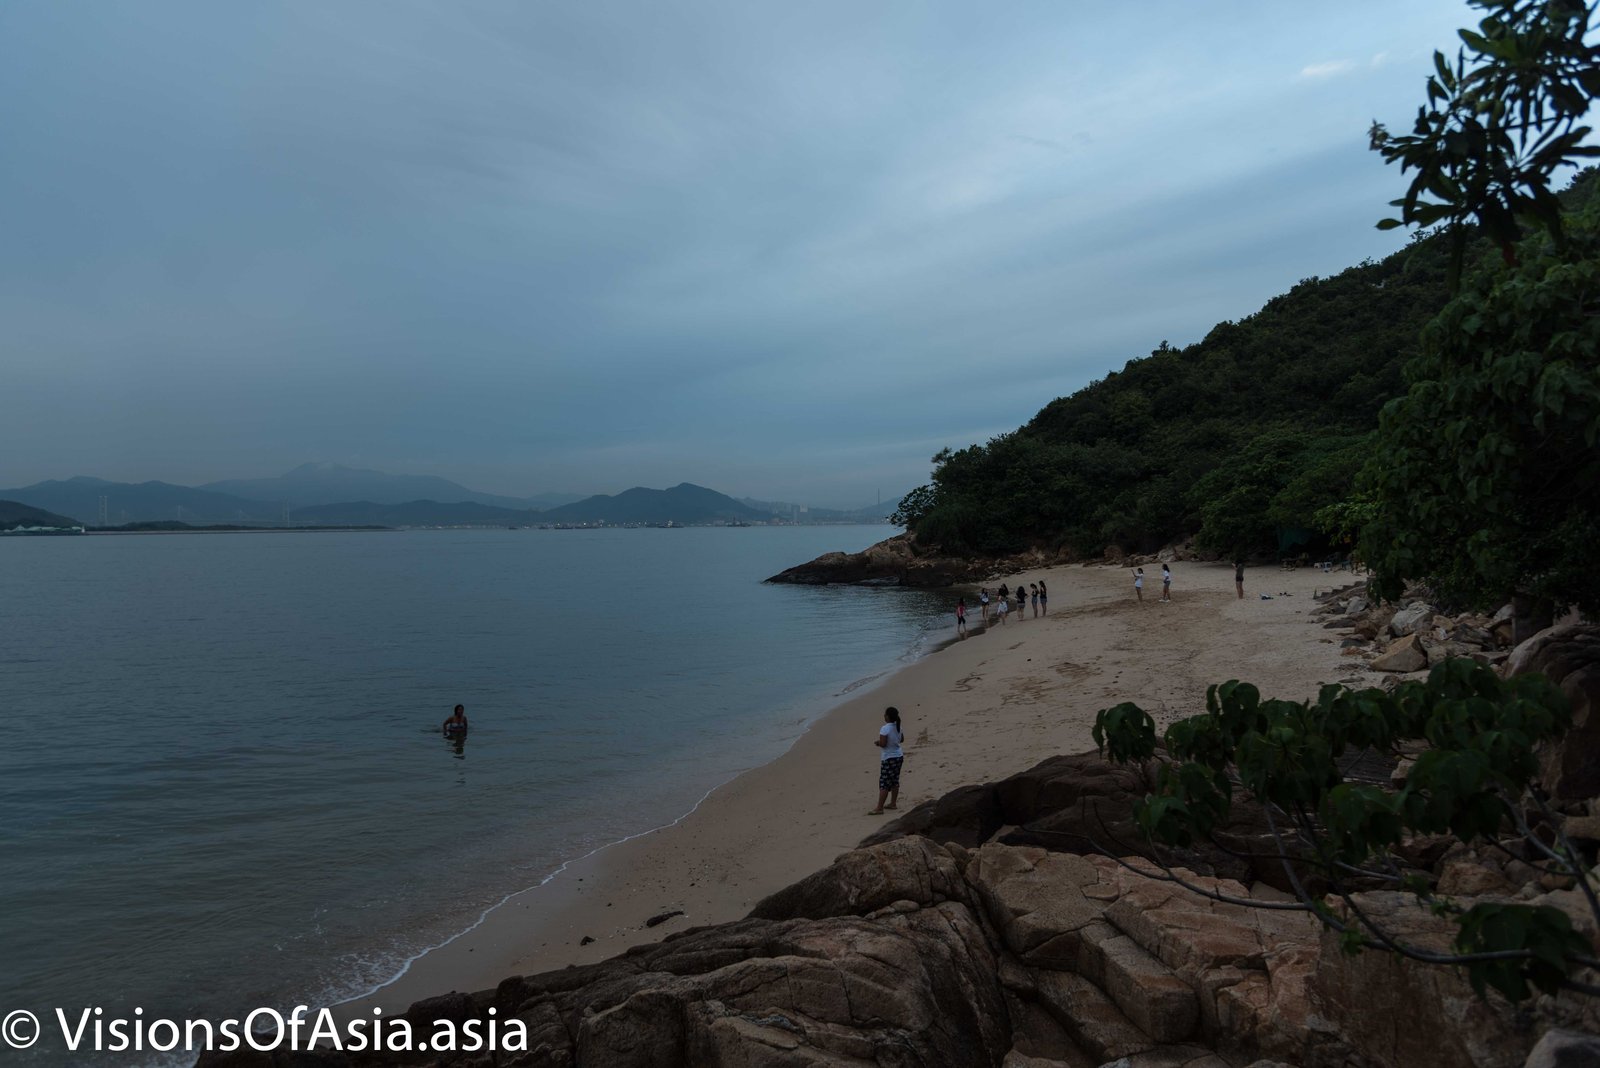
x,y
141,528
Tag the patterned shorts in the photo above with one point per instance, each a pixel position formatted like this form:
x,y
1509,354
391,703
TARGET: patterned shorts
x,y
889,773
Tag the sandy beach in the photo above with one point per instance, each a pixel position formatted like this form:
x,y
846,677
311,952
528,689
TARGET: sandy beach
x,y
975,711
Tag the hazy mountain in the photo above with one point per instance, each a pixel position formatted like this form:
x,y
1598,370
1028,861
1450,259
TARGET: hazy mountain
x,y
16,514
684,503
324,483
412,514
129,502
554,500
334,495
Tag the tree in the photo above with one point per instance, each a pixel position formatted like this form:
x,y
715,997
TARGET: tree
x,y
1335,836
1499,123
913,507
1480,479
1484,473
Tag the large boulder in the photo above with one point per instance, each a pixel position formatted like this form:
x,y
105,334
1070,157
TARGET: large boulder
x,y
914,988
1560,1048
1568,655
1410,619
1392,1012
1083,803
968,816
865,880
1402,655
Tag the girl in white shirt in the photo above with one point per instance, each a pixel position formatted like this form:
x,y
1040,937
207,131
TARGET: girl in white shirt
x,y
890,735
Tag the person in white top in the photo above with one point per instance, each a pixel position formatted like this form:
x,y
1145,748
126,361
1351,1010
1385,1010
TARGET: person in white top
x,y
1138,582
890,737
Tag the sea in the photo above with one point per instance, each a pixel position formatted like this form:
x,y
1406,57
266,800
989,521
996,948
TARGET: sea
x,y
225,784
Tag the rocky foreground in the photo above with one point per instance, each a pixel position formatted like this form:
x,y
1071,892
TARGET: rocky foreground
x,y
987,928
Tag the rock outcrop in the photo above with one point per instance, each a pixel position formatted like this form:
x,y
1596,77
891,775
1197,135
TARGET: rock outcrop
x,y
1569,655
1404,641
968,934
899,561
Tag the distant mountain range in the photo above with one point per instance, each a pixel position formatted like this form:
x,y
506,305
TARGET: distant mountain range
x,y
128,502
323,483
333,495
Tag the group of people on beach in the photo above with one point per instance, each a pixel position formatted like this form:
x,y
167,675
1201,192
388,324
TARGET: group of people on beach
x,y
1036,594
1166,583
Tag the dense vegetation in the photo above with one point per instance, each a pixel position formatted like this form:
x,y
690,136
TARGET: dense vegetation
x,y
1240,437
1252,440
1481,479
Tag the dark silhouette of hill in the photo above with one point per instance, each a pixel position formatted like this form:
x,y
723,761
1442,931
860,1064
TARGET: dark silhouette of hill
x,y
130,502
15,514
683,504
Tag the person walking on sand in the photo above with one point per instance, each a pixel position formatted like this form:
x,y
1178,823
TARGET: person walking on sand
x,y
1238,577
1044,598
1138,582
1033,598
983,604
1000,611
961,617
1022,601
1166,583
890,735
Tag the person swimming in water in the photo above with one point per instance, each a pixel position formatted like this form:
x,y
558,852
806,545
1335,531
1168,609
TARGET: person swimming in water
x,y
456,725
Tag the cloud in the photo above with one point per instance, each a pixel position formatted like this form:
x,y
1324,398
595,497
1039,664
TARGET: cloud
x,y
593,246
1331,69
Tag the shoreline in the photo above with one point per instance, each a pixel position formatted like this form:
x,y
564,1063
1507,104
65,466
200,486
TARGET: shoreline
x,y
976,710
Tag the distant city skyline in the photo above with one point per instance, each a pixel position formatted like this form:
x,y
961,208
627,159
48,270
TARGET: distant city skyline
x,y
783,252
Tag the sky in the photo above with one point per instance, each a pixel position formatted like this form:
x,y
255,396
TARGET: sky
x,y
787,251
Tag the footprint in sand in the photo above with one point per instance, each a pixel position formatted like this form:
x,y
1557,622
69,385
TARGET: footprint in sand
x,y
1016,646
965,685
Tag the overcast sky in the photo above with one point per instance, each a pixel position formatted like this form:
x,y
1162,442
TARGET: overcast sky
x,y
782,250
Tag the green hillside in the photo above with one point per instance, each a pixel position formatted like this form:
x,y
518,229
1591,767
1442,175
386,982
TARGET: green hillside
x,y
1238,439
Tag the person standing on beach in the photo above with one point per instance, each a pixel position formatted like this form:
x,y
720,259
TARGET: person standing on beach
x,y
1238,577
1044,598
1022,601
1166,583
961,617
1033,598
1000,610
890,735
983,604
1005,594
1138,582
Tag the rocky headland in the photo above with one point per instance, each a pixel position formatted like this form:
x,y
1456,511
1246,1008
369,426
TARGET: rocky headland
x,y
900,561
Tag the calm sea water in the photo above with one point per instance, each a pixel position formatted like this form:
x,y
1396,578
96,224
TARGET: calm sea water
x,y
225,785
